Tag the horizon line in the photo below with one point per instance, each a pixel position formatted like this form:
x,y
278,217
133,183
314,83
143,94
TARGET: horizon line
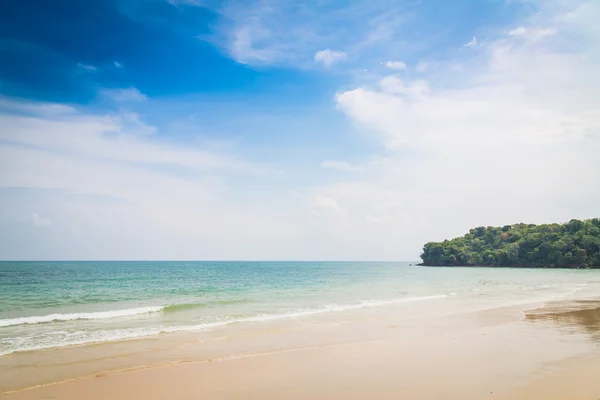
x,y
292,261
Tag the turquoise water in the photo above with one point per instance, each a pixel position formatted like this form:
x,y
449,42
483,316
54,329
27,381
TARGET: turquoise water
x,y
55,304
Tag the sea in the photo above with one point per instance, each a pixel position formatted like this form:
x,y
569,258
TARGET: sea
x,y
57,304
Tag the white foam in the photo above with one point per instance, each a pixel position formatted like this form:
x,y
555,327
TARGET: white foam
x,y
75,316
62,338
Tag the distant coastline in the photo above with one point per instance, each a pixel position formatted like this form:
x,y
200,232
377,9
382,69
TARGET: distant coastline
x,y
513,266
572,245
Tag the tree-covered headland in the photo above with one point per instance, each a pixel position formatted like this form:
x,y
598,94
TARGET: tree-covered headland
x,y
575,244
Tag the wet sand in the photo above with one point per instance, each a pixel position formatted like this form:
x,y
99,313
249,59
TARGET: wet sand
x,y
551,352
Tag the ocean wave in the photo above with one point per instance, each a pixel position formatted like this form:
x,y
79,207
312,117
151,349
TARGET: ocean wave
x,y
78,316
190,306
183,307
64,339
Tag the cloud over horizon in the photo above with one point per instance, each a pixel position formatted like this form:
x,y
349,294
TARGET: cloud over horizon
x,y
280,130
507,145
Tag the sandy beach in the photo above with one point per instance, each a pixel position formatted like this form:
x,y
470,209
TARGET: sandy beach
x,y
549,352
299,199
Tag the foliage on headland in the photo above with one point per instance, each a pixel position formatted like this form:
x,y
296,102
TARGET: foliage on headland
x,y
573,244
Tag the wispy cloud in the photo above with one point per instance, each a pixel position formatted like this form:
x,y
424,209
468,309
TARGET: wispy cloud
x,y
200,3
38,221
395,85
528,105
247,44
167,198
509,132
471,43
341,166
45,109
117,64
532,33
124,95
287,32
398,65
121,137
87,67
328,56
326,206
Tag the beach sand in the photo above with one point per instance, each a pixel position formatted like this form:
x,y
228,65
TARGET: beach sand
x,y
546,353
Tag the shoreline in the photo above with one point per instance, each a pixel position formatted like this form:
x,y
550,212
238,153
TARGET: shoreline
x,y
497,347
511,266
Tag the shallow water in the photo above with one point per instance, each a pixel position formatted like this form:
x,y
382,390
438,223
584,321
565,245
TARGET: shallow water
x,y
57,304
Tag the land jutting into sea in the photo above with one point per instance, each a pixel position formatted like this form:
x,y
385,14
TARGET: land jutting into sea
x,y
575,244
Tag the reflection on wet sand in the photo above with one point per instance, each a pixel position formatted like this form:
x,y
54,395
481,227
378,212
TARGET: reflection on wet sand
x,y
571,317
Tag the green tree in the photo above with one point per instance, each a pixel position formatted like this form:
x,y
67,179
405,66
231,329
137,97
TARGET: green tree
x,y
575,243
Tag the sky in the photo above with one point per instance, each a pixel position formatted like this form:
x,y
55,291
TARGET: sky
x,y
291,130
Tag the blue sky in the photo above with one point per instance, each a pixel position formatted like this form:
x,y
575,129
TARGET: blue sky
x,y
262,129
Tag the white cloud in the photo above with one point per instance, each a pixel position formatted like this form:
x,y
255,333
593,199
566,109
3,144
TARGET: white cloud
x,y
246,44
395,85
36,220
471,43
341,165
87,67
422,67
508,133
328,56
122,137
46,109
326,205
509,137
532,33
117,64
124,95
288,32
200,3
518,31
399,65
108,184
